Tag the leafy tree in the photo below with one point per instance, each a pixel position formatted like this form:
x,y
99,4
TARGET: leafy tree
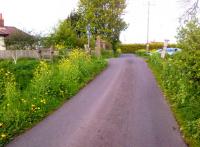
x,y
67,34
20,41
189,35
64,36
105,18
74,18
189,30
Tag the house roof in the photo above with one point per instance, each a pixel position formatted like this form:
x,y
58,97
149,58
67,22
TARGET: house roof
x,y
3,32
9,31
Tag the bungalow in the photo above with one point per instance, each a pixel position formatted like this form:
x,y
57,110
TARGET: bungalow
x,y
8,32
3,34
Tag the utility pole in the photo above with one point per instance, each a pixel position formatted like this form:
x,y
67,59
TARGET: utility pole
x,y
148,18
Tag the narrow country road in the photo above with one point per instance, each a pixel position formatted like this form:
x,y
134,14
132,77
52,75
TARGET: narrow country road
x,y
122,107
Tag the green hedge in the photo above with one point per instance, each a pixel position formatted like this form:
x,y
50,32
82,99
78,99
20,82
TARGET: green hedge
x,y
132,48
179,77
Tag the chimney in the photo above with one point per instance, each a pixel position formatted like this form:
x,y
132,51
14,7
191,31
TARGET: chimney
x,y
1,20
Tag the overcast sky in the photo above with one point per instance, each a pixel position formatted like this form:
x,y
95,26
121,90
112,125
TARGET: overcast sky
x,y
43,15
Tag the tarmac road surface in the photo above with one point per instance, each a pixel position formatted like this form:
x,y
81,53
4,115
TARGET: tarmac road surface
x,y
122,107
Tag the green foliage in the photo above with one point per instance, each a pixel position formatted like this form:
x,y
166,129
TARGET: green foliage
x,y
2,85
68,34
189,35
132,48
142,53
110,53
48,87
118,52
180,78
64,35
23,70
20,41
107,53
105,19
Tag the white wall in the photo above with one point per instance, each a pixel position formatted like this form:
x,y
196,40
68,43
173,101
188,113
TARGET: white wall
x,y
2,43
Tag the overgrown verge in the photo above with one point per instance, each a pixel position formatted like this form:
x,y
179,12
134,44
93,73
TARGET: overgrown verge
x,y
48,86
179,77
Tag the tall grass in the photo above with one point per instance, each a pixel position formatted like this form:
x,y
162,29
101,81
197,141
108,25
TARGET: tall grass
x,y
48,87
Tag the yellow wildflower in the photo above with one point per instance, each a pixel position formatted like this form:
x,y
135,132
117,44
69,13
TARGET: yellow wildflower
x,y
33,107
3,136
23,100
43,101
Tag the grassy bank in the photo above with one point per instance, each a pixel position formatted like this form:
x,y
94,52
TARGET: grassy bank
x,y
179,77
31,89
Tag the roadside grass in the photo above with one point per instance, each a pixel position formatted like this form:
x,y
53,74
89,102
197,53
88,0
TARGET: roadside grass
x,y
179,78
23,70
29,96
106,54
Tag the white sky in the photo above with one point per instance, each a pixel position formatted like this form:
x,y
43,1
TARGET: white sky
x,y
42,15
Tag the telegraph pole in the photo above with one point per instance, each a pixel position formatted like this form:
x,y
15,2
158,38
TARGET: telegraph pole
x,y
148,18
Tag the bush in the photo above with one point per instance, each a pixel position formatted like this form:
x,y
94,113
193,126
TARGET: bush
x,y
118,52
110,53
107,53
180,79
142,53
131,48
50,86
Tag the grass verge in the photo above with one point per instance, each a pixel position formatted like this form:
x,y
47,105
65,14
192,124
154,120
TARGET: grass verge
x,y
26,101
179,78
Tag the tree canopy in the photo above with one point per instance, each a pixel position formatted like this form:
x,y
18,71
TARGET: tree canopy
x,y
20,40
104,17
188,35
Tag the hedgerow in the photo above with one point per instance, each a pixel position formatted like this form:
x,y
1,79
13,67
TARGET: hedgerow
x,y
179,77
132,48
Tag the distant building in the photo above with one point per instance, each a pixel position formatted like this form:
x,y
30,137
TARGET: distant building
x,y
3,34
7,31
